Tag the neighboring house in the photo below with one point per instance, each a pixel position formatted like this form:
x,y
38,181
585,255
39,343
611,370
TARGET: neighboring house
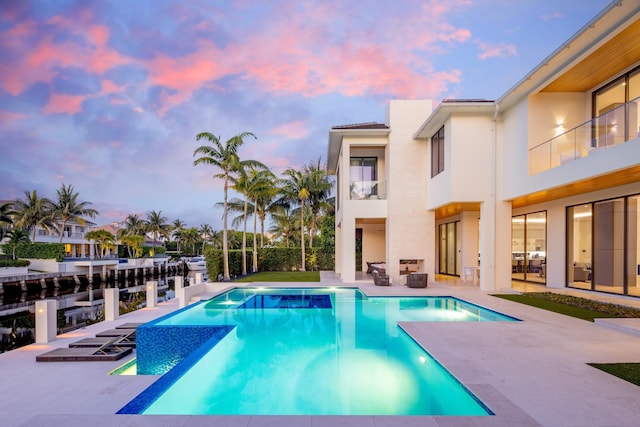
x,y
75,244
541,185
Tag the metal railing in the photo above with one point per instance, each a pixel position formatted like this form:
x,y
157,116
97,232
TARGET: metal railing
x,y
615,127
368,190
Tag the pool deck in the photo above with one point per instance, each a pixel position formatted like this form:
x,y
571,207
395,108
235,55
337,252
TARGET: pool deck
x,y
530,373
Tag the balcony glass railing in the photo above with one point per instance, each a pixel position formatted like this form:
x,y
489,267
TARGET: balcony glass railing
x,y
368,190
615,127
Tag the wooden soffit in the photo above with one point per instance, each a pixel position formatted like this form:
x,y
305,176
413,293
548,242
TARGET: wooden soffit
x,y
365,221
619,53
602,182
455,209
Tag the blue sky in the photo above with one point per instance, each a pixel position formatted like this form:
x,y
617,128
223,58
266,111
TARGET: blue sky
x,y
108,96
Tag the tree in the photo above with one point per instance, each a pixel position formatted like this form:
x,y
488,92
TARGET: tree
x,y
31,212
191,236
319,187
284,224
296,190
17,236
223,156
5,218
104,241
133,226
133,242
176,231
68,208
206,231
158,226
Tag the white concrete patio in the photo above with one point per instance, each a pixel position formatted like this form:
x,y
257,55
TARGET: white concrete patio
x,y
530,373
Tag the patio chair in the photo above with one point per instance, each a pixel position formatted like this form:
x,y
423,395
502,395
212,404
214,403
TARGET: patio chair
x,y
380,279
417,280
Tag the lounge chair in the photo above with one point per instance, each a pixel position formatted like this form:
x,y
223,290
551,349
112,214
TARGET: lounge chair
x,y
128,340
107,352
417,280
116,332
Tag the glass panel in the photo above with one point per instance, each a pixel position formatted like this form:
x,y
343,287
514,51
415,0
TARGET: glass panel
x,y
457,250
608,261
633,246
441,150
443,249
579,269
536,233
517,247
633,115
451,248
609,107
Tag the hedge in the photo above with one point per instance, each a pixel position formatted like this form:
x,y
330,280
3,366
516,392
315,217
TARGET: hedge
x,y
269,259
36,250
14,263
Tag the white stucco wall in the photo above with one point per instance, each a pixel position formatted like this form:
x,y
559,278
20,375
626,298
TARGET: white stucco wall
x,y
410,227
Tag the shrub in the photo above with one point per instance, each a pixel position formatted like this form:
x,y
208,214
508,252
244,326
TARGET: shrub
x,y
37,250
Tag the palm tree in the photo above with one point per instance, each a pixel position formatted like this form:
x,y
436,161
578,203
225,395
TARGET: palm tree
x,y
5,218
16,236
319,192
224,157
68,208
296,190
246,183
177,226
31,212
104,240
133,226
284,224
191,237
135,242
157,225
206,231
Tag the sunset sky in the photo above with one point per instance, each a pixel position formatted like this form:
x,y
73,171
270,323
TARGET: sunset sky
x,y
108,96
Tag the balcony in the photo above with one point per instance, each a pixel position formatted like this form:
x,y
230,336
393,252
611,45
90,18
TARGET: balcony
x,y
368,190
615,127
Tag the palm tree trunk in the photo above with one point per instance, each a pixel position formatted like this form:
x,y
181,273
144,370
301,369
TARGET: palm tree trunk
x,y
64,222
255,242
225,245
244,239
302,233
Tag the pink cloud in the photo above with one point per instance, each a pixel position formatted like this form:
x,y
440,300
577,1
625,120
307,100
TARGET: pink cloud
x,y
59,103
488,50
89,51
292,130
8,117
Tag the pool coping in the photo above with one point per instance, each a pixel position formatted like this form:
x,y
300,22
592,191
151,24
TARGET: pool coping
x,y
530,373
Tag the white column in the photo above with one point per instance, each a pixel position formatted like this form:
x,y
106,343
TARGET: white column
x,y
179,282
92,249
152,293
111,303
199,278
46,319
348,249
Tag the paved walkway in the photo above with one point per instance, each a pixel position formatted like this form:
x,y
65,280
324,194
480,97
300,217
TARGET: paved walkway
x,y
531,373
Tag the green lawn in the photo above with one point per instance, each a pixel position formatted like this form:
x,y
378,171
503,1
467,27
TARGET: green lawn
x,y
582,308
283,276
627,371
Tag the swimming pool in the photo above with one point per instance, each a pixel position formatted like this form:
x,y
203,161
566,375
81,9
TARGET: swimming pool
x,y
310,351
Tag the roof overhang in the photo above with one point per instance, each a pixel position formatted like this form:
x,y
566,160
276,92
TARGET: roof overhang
x,y
335,142
610,38
446,109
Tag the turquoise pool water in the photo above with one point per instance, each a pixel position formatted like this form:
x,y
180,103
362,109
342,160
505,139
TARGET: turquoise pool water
x,y
306,352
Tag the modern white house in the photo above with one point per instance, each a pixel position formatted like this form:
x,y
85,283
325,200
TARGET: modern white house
x,y
541,185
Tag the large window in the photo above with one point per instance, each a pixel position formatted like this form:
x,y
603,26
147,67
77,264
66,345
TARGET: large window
x,y
603,243
529,247
437,152
363,177
615,105
449,255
